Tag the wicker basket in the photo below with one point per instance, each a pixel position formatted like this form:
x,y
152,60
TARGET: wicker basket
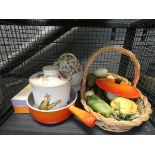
x,y
111,124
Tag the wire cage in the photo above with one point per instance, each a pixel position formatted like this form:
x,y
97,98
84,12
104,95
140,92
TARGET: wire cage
x,y
28,45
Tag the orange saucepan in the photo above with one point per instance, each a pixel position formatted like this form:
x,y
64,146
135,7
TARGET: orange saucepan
x,y
59,115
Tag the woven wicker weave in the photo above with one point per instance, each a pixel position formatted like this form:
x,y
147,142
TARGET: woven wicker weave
x,y
111,124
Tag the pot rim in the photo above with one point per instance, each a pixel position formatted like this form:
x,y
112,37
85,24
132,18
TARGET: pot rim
x,y
55,110
37,85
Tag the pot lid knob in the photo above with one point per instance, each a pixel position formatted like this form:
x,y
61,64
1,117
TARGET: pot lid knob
x,y
50,70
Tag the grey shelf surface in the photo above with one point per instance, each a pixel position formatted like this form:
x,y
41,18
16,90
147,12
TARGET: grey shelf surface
x,y
23,124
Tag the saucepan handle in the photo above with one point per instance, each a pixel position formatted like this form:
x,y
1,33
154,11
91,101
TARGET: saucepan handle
x,y
86,117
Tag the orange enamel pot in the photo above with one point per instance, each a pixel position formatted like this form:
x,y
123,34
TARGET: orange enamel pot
x,y
59,115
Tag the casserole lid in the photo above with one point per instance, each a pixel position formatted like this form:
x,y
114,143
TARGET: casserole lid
x,y
118,87
50,77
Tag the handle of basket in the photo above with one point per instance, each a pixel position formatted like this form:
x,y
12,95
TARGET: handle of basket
x,y
108,49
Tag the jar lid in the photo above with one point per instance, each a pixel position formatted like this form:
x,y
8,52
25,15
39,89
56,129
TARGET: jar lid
x,y
50,77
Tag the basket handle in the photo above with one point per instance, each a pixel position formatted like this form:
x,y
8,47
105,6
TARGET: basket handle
x,y
108,49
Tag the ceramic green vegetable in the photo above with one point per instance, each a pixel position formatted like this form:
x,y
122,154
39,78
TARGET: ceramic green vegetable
x,y
110,96
89,93
99,92
101,72
124,108
99,105
91,79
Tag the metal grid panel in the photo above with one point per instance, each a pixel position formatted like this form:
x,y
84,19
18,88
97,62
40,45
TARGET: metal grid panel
x,y
25,49
18,44
143,48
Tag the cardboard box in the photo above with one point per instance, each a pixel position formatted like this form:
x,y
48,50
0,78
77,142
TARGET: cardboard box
x,y
19,100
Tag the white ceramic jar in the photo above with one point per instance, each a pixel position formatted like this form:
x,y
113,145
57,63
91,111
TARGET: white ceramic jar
x,y
52,85
69,62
